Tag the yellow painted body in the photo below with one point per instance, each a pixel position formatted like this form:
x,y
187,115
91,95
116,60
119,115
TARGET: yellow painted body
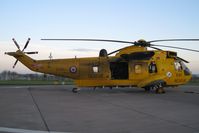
x,y
96,72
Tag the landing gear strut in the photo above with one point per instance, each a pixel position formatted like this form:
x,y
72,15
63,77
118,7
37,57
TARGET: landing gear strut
x,y
147,89
157,87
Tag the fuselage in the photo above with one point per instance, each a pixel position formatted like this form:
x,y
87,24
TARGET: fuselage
x,y
114,70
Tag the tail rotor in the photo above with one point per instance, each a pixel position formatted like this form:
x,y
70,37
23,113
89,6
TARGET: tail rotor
x,y
25,46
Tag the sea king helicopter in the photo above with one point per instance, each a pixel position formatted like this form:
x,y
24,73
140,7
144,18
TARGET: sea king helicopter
x,y
131,66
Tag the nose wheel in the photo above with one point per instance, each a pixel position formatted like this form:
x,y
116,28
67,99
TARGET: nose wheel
x,y
75,90
160,90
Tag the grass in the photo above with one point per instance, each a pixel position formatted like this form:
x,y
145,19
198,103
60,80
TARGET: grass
x,y
193,82
34,82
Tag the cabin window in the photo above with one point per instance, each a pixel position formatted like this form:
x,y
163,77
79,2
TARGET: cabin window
x,y
138,69
152,67
95,69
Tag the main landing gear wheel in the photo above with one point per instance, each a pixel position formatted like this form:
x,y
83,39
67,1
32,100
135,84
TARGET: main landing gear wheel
x,y
160,90
75,90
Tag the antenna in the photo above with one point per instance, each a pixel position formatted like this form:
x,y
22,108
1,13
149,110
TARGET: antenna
x,y
50,56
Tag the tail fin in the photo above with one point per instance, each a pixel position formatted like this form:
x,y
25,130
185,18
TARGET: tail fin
x,y
23,58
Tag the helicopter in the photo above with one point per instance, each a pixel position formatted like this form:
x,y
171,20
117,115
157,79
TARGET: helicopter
x,y
131,66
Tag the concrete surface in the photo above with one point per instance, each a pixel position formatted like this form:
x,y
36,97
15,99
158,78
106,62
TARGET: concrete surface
x,y
121,110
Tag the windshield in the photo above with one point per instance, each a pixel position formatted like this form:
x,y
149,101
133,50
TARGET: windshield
x,y
185,68
179,65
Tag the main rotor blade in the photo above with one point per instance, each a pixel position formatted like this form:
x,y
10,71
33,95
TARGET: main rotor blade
x,y
170,40
15,42
155,48
175,47
26,44
182,59
15,63
101,40
123,48
114,51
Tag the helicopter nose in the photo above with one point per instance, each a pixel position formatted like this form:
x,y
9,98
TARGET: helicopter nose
x,y
187,72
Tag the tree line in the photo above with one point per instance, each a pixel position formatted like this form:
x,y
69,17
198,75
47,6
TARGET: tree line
x,y
11,75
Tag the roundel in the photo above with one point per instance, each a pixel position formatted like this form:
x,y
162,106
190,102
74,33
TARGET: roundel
x,y
169,74
73,69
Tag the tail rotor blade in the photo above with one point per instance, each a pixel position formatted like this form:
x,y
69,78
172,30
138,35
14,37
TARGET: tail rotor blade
x,y
15,42
31,52
15,63
26,44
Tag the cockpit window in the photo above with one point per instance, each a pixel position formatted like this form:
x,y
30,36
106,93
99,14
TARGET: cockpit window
x,y
185,68
177,65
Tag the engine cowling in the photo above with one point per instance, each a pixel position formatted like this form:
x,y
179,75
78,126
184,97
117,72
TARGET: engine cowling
x,y
103,53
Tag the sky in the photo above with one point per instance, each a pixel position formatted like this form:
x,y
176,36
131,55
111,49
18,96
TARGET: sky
x,y
128,20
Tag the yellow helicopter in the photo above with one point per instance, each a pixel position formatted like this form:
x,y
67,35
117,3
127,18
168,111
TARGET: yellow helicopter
x,y
132,66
